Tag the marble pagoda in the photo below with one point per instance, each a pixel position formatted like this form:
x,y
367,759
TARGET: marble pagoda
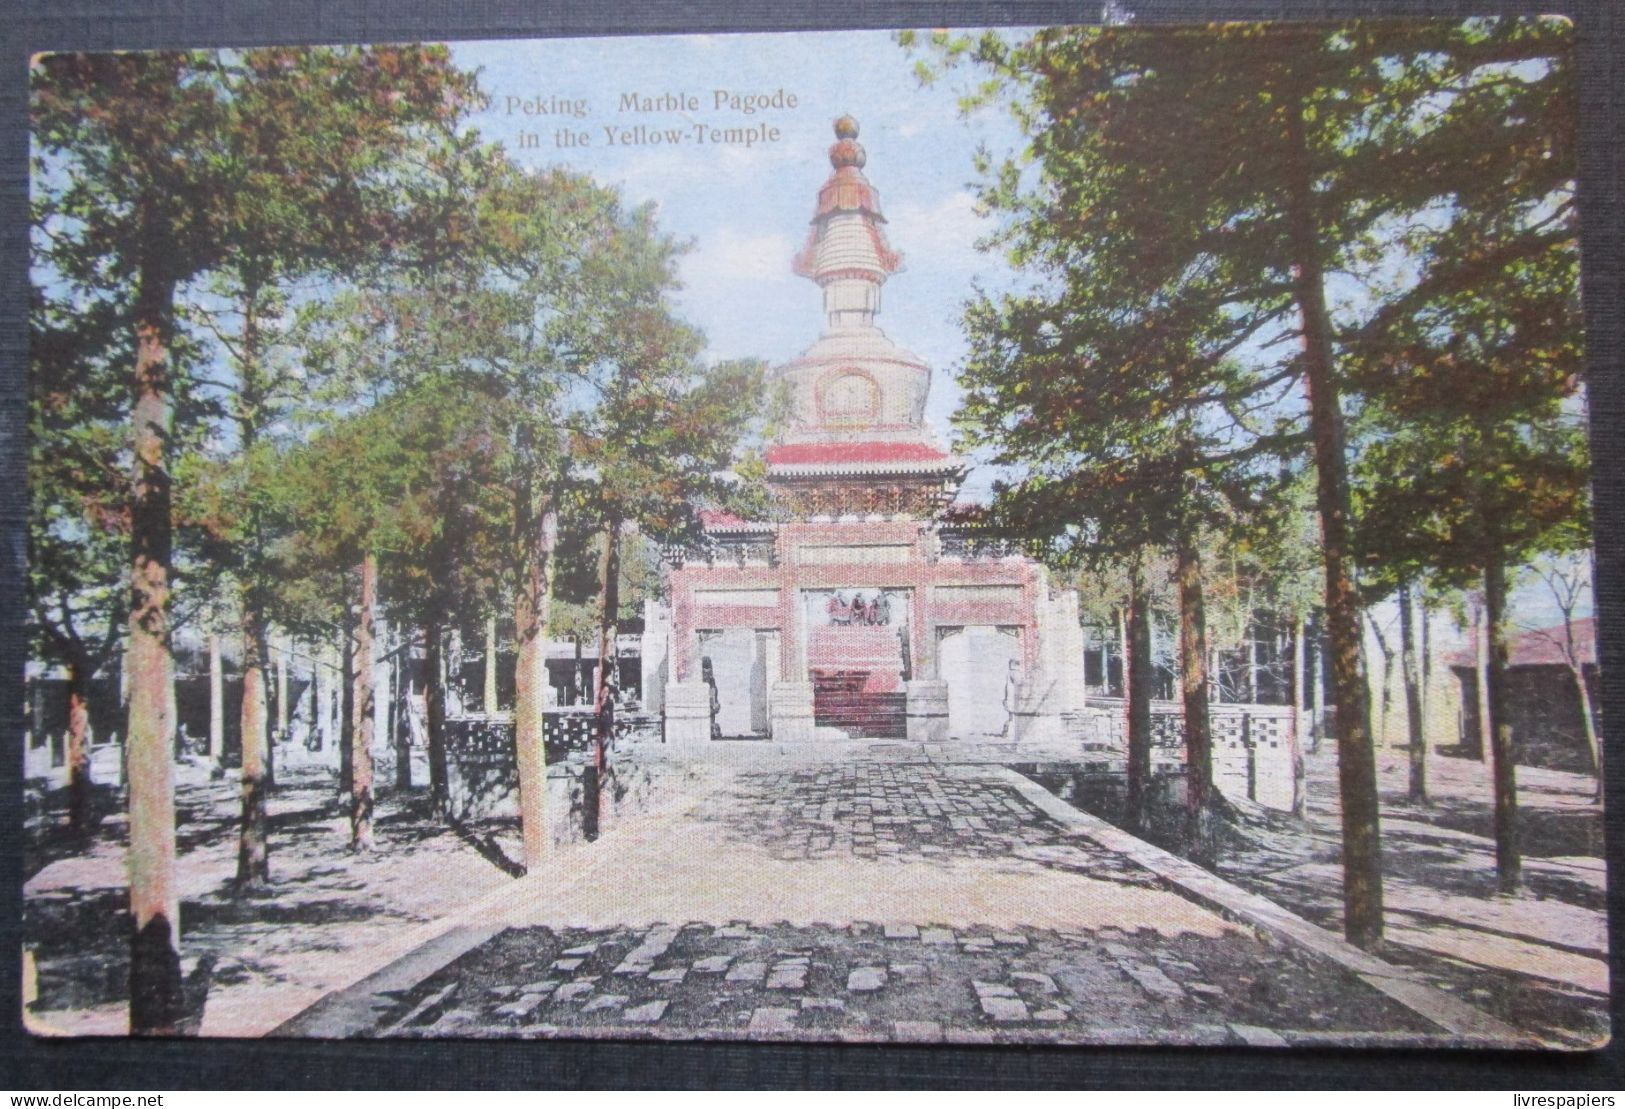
x,y
869,609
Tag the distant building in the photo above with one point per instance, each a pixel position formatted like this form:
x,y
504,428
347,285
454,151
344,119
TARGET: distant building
x,y
1542,697
874,611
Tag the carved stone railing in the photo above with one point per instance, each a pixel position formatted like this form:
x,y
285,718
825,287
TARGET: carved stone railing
x,y
968,546
755,551
566,730
1255,747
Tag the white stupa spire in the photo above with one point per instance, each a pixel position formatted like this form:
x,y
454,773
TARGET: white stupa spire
x,y
846,251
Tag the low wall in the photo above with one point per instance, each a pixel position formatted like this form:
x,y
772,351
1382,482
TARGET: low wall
x,y
1256,752
483,774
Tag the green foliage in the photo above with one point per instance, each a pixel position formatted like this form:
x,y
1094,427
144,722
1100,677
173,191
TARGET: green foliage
x,y
78,463
520,348
1148,373
1474,410
179,160
224,178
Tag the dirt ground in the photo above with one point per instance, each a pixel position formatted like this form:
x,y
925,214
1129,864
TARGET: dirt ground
x,y
1537,960
273,953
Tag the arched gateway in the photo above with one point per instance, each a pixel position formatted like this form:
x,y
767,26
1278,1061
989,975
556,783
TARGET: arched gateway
x,y
853,618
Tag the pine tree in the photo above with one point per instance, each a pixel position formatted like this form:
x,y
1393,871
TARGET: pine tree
x,y
130,154
1203,184
78,528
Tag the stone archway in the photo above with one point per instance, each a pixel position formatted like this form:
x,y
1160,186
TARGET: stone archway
x,y
975,662
739,665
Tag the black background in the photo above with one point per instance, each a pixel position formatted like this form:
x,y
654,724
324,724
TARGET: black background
x,y
27,1064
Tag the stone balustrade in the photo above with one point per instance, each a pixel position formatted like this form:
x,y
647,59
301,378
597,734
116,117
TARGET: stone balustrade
x,y
1256,751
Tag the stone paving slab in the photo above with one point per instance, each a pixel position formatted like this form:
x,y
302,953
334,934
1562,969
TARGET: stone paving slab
x,y
1051,988
1403,985
1137,981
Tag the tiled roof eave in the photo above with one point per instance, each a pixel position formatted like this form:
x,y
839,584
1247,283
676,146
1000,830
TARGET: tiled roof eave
x,y
747,528
910,468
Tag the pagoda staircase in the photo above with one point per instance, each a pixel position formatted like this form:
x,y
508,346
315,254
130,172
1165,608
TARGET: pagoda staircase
x,y
839,701
857,681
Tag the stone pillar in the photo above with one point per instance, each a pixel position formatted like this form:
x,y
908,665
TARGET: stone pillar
x,y
490,691
655,648
682,644
790,711
313,728
926,711
1065,651
792,666
688,714
391,687
281,653
921,634
562,809
451,672
217,700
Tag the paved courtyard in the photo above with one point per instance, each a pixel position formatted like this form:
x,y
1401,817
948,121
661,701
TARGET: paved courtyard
x,y
902,982
883,899
878,892
917,810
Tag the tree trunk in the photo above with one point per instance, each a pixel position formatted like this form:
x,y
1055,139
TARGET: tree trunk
x,y
1137,679
79,794
603,728
1356,759
347,677
1299,785
1413,696
1508,863
1193,691
253,865
155,965
489,701
538,532
1588,721
363,713
1386,689
1481,678
217,700
434,703
1317,687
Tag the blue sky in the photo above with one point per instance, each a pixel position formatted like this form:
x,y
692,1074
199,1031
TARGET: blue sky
x,y
747,208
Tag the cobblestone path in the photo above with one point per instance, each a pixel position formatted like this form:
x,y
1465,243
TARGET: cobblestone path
x,y
868,982
1134,982
874,810
902,811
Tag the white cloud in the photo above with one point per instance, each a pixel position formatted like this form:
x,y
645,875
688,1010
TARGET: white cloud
x,y
731,257
944,231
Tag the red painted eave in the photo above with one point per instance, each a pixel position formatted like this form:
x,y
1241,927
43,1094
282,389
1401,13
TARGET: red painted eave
x,y
816,454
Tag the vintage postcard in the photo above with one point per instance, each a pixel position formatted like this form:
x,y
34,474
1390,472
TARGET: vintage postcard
x,y
1070,535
